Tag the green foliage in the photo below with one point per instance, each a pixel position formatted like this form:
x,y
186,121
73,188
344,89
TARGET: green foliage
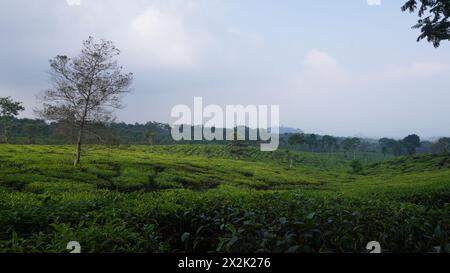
x,y
434,23
441,146
198,198
329,142
351,145
391,146
9,109
28,131
356,166
411,143
296,139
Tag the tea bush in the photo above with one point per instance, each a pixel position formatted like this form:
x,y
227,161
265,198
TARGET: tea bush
x,y
190,198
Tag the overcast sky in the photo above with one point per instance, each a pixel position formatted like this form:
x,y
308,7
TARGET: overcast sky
x,y
335,67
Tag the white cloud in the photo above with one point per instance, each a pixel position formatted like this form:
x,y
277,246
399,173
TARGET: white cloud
x,y
73,2
414,70
354,96
318,60
374,2
321,72
161,37
253,37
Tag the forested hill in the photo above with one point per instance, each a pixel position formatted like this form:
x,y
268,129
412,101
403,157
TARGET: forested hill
x,y
35,131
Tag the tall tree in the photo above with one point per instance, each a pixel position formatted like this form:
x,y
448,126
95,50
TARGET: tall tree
x,y
411,143
151,136
434,21
296,139
384,144
86,88
351,144
396,147
32,130
329,143
311,141
9,109
391,146
445,142
441,146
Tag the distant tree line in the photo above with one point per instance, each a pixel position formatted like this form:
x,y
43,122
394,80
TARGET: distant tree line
x,y
328,144
37,131
409,145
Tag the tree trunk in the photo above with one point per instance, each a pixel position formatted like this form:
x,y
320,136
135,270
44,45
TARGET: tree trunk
x,y
5,134
78,149
80,135
5,130
80,140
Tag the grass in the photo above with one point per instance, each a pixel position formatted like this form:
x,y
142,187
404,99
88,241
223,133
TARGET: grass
x,y
206,198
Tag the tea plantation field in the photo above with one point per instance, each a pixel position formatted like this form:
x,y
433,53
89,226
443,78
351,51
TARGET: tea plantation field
x,y
206,198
